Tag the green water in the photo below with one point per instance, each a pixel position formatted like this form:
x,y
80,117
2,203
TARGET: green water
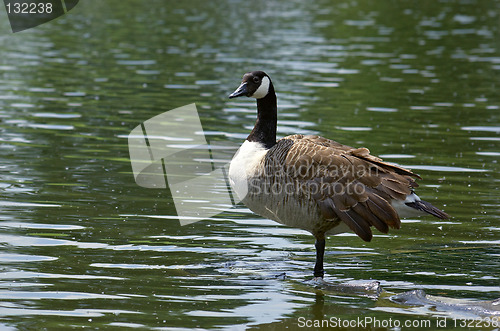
x,y
83,246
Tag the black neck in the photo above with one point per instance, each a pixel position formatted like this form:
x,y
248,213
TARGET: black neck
x,y
264,130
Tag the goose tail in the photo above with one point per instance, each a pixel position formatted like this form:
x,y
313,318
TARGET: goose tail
x,y
428,208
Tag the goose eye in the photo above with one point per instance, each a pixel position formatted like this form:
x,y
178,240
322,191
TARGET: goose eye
x,y
256,80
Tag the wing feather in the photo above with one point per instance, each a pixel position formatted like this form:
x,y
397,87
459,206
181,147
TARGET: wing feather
x,y
348,183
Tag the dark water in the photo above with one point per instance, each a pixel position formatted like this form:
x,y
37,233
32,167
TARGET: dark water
x,y
83,246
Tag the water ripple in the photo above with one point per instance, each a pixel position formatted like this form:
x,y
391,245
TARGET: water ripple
x,y
445,168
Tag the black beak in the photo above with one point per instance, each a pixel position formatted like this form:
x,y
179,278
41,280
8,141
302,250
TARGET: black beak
x,y
241,90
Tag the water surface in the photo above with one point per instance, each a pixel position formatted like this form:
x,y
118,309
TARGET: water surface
x,y
83,246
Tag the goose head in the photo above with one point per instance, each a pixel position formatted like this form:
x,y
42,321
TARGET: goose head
x,y
255,84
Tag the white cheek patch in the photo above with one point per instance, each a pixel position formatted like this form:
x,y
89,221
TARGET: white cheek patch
x,y
263,88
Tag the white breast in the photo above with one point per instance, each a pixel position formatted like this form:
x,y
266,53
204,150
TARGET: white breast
x,y
246,163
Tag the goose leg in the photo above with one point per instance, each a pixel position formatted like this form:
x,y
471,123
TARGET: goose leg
x,y
320,252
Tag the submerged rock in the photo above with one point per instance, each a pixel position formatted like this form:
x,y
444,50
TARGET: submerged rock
x,y
475,307
371,288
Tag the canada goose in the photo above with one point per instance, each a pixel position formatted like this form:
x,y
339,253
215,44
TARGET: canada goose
x,y
317,184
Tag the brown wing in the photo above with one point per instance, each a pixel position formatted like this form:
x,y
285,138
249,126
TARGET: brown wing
x,y
348,183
